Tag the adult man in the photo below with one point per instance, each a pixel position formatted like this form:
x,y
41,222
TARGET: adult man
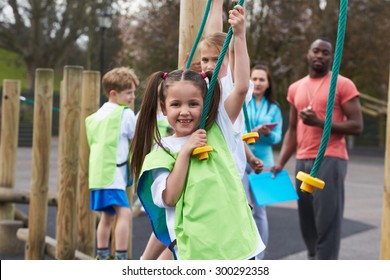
x,y
321,214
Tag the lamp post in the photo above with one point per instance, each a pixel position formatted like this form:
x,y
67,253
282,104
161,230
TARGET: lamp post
x,y
104,20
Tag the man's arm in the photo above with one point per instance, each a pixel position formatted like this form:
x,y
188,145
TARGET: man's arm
x,y
289,142
353,125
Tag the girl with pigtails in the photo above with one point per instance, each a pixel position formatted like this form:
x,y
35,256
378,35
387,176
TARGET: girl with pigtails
x,y
197,208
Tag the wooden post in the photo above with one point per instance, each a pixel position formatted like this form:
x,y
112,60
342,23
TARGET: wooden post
x,y
50,245
86,240
23,197
69,161
382,130
35,247
191,15
8,147
60,125
385,244
9,141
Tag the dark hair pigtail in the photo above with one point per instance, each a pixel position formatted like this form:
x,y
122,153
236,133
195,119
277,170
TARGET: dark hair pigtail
x,y
214,102
146,127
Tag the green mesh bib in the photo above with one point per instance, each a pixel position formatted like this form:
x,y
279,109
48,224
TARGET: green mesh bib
x,y
212,219
103,138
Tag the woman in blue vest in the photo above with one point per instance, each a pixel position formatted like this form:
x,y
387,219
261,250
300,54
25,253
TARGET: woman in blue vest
x,y
265,117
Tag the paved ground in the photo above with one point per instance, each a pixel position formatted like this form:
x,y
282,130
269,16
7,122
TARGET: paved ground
x,y
361,228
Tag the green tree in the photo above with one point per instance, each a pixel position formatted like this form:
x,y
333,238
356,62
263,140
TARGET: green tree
x,y
44,32
367,47
151,36
278,34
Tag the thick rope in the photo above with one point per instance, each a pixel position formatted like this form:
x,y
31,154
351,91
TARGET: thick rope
x,y
332,90
29,101
215,74
200,32
246,118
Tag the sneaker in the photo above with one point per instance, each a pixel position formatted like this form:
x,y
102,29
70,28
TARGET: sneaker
x,y
108,258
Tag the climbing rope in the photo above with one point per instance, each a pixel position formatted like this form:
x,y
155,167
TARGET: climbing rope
x,y
215,74
333,83
246,118
29,101
223,52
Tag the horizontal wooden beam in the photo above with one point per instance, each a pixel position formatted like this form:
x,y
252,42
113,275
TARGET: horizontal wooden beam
x,y
369,112
10,195
50,245
373,99
379,109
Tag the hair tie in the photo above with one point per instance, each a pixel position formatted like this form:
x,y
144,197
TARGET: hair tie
x,y
205,78
164,75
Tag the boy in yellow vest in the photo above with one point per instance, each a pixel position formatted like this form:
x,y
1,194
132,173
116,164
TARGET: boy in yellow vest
x,y
109,131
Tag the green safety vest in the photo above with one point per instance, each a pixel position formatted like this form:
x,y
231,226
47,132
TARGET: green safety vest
x,y
212,219
103,137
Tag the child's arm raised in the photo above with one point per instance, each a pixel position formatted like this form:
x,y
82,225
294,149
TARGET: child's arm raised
x,y
176,180
214,19
236,98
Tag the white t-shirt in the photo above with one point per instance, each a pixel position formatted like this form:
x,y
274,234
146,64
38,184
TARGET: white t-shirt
x,y
239,125
126,134
174,144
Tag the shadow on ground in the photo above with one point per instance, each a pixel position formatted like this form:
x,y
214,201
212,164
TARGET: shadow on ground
x,y
285,236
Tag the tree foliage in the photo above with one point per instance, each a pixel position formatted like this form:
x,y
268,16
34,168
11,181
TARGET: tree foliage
x,y
278,34
367,55
44,32
151,36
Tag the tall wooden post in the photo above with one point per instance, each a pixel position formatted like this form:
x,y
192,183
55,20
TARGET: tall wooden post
x,y
9,141
9,244
90,101
35,246
382,130
191,15
385,243
60,125
69,161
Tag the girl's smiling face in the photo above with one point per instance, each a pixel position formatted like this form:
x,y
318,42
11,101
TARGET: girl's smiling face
x,y
183,107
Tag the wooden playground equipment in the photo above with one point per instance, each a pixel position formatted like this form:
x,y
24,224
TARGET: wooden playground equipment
x,y
385,237
80,94
376,108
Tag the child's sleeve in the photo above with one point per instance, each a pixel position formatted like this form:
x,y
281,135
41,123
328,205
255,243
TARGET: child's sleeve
x,y
276,134
159,185
130,122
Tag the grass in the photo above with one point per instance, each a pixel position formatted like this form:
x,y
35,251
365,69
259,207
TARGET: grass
x,y
12,67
